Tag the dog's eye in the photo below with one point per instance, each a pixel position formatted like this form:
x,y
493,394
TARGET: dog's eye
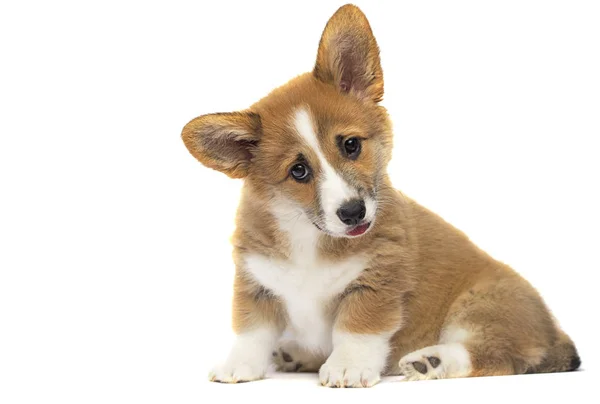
x,y
300,172
351,147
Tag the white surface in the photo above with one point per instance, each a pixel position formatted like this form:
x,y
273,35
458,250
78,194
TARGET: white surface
x,y
305,388
115,270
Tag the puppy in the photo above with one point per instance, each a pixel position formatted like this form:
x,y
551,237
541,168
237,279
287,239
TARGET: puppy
x,y
336,271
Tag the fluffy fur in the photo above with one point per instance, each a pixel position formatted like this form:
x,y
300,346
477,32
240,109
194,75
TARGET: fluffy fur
x,y
412,295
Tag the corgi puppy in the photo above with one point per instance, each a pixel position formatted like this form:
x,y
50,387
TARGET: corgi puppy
x,y
338,272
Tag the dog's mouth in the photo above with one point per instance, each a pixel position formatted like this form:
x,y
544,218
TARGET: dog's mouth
x,y
354,231
359,229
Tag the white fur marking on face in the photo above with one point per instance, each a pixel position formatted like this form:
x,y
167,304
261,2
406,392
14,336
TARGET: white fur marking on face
x,y
333,190
357,360
454,361
370,208
249,357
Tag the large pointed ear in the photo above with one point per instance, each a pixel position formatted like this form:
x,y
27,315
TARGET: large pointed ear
x,y
225,141
348,55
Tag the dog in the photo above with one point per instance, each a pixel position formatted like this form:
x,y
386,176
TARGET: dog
x,y
339,273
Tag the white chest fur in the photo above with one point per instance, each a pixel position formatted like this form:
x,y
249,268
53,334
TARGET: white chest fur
x,y
306,283
306,287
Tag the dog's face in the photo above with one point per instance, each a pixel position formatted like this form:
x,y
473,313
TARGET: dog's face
x,y
318,145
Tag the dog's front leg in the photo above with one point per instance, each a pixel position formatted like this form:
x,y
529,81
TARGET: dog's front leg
x,y
365,322
257,322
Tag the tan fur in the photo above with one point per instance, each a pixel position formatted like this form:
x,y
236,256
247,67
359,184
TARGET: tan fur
x,y
424,277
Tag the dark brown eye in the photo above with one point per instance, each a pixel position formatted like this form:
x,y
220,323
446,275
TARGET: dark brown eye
x,y
300,172
351,147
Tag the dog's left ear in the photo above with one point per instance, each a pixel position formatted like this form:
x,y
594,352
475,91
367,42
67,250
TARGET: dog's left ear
x,y
348,55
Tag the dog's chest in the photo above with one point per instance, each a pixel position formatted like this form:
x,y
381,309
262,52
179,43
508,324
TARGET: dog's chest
x,y
307,286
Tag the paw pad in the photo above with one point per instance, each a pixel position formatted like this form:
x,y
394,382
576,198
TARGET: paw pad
x,y
434,361
285,362
286,357
420,367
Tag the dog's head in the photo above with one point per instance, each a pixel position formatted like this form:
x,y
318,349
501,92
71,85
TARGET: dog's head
x,y
319,144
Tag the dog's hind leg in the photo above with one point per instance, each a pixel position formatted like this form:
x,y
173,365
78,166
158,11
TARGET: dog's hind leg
x,y
497,327
458,354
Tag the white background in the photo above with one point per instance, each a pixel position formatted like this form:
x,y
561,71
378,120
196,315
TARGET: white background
x,y
115,279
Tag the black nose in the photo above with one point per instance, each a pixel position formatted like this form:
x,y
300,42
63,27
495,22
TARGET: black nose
x,y
352,212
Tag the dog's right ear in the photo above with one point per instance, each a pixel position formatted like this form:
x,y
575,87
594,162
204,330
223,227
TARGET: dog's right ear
x,y
225,141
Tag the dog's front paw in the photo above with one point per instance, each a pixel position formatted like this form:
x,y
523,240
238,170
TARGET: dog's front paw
x,y
357,360
334,374
248,359
236,373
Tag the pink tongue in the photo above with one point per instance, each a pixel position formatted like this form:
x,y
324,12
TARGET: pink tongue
x,y
358,230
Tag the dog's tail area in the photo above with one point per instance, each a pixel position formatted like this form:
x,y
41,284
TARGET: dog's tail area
x,y
562,357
